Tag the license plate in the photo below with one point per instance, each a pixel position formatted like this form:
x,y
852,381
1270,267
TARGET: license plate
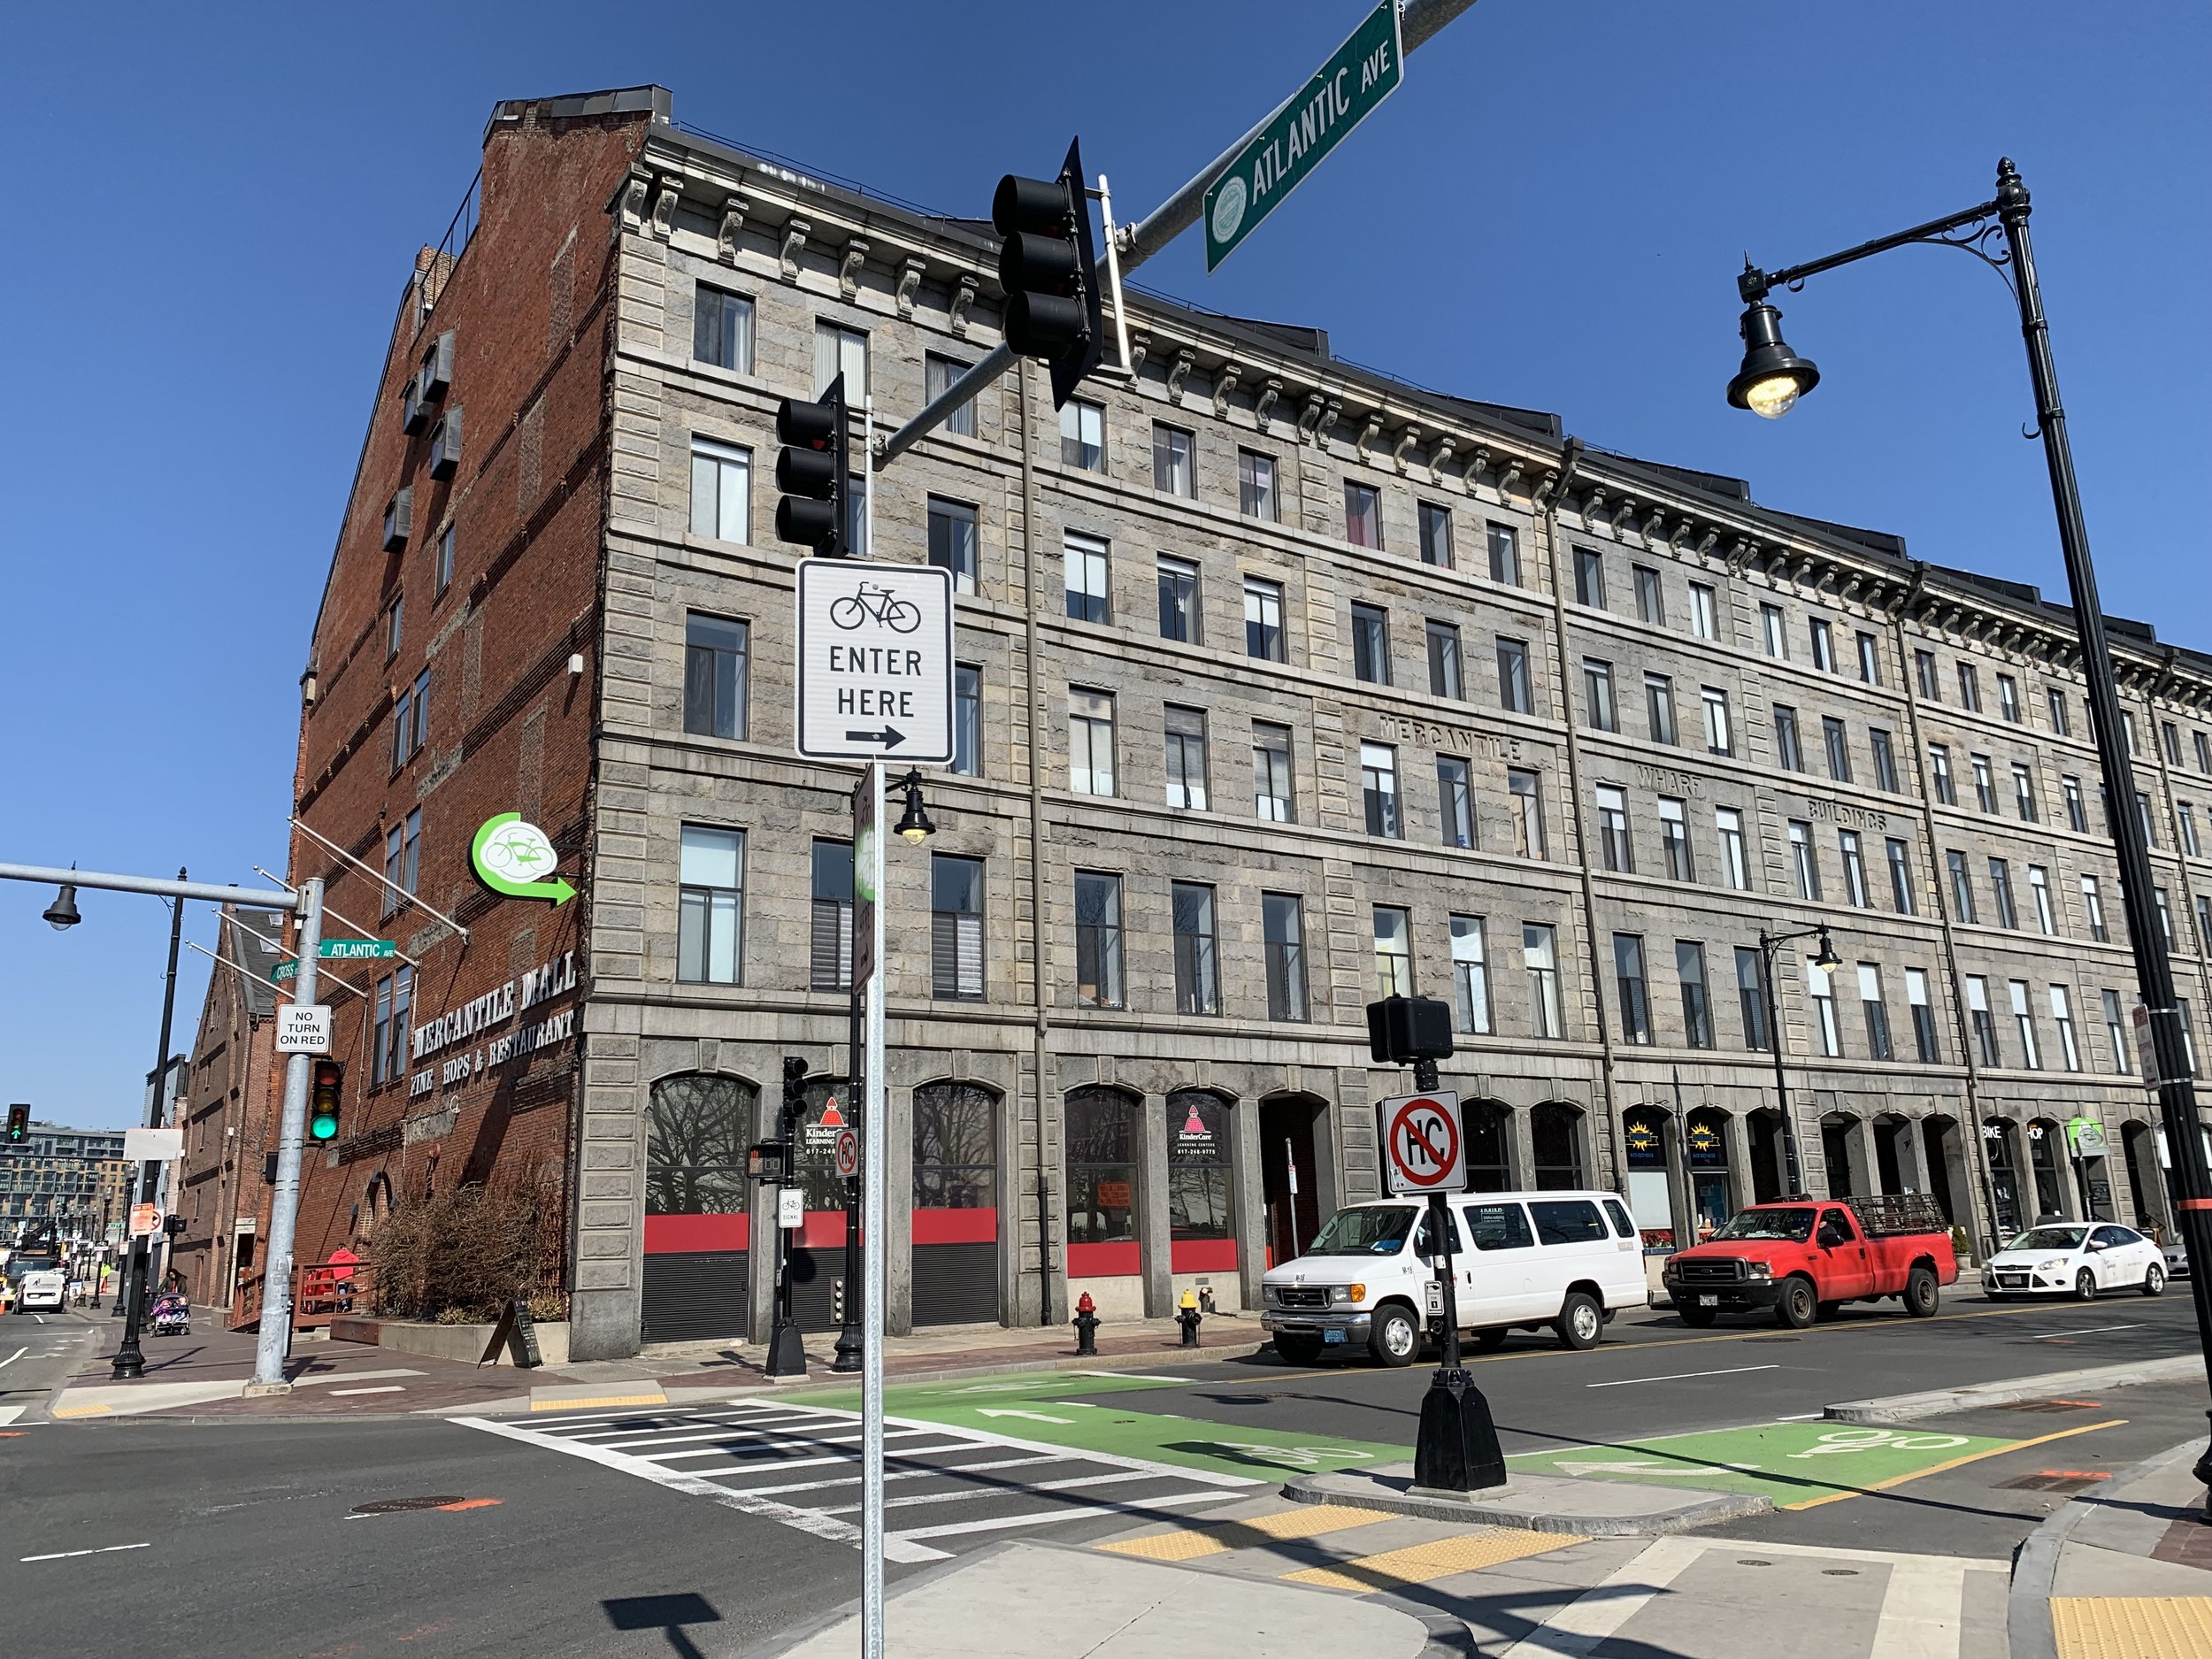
x,y
1709,1301
1332,1336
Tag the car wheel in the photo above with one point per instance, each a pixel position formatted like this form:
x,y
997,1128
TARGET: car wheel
x,y
1490,1338
1581,1321
1696,1318
2154,1280
1297,1350
2085,1286
1395,1340
1923,1295
1798,1306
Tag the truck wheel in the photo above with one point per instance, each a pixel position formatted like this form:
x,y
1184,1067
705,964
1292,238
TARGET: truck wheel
x,y
1490,1338
1798,1307
1923,1295
1395,1340
2085,1285
2154,1280
1297,1350
1697,1318
1581,1321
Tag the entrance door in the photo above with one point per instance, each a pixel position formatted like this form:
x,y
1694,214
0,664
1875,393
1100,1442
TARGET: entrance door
x,y
2135,1142
1287,1175
955,1229
697,1232
1765,1132
1936,1146
1888,1154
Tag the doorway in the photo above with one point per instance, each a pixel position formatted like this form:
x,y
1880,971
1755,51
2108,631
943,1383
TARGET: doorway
x,y
1765,1129
1890,1152
1289,1178
1937,1145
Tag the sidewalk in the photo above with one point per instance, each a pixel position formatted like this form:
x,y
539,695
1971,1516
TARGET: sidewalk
x,y
2125,1573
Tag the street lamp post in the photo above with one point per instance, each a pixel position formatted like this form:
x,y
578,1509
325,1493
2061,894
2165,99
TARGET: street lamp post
x,y
129,1362
1771,379
1827,962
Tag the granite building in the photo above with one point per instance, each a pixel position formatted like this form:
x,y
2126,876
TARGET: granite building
x,y
1283,684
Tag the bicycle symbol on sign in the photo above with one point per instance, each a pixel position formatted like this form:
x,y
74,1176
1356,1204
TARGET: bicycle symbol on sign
x,y
878,604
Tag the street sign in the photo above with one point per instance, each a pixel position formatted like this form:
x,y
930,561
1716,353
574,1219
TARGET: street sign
x,y
356,949
2086,1135
1423,1149
153,1146
875,662
1344,92
145,1220
286,971
2146,1050
847,1154
514,858
790,1207
303,1030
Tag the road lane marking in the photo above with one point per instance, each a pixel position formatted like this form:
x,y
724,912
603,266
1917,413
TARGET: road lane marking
x,y
18,1354
1955,1462
853,1481
2094,1330
1576,1629
66,1555
383,1389
1626,1382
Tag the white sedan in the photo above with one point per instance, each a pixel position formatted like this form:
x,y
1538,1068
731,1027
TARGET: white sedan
x,y
2080,1259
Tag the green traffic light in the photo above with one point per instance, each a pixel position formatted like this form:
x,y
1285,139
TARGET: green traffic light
x,y
324,1127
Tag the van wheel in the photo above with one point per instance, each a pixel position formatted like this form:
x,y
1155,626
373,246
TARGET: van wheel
x,y
1395,1340
2154,1280
1581,1323
1490,1338
1297,1350
1923,1295
1798,1307
1697,1318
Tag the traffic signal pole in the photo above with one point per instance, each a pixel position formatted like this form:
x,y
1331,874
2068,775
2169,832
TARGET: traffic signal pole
x,y
273,1344
1418,23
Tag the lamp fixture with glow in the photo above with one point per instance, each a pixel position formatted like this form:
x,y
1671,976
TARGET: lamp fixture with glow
x,y
1827,961
1773,377
914,825
61,915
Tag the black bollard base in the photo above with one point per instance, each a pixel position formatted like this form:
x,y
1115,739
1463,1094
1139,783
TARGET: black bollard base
x,y
1458,1447
849,1346
787,1352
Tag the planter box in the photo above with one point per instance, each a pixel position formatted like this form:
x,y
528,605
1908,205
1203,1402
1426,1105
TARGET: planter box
x,y
463,1343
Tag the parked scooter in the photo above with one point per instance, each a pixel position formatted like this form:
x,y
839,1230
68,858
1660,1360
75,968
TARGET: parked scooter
x,y
172,1315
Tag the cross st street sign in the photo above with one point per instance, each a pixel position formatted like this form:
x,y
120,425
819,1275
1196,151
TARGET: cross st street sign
x,y
875,662
1344,92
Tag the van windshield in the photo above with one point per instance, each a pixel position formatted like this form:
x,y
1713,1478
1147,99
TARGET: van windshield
x,y
1370,1230
1794,1227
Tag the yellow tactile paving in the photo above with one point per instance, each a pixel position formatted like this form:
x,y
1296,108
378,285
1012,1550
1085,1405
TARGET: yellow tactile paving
x,y
1425,1564
2132,1626
1187,1543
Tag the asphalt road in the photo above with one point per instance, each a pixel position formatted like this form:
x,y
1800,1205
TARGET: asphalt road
x,y
39,1352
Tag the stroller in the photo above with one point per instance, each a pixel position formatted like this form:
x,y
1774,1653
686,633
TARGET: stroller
x,y
171,1315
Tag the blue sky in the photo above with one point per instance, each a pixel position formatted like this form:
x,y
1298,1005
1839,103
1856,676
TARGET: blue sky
x,y
215,208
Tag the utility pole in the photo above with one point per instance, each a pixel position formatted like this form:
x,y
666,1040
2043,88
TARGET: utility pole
x,y
129,1362
275,1343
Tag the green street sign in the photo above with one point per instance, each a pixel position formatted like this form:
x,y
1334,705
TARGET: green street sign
x,y
1343,92
285,970
516,858
356,949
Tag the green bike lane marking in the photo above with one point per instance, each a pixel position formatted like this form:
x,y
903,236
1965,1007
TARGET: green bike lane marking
x,y
1046,1409
1795,1464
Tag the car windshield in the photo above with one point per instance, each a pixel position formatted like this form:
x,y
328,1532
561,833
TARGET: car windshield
x,y
1370,1230
1793,1226
2049,1238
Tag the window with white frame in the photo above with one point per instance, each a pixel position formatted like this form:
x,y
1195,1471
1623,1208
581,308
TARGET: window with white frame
x,y
1804,863
1674,839
1470,977
1505,558
1876,1013
1613,840
2023,1018
1704,611
1445,676
1263,619
1363,515
939,375
1393,951
1925,1046
1720,737
1540,955
1854,868
2040,893
952,541
1174,460
711,905
721,490
2063,1016
1821,990
1774,631
722,329
1087,563
1179,600
1869,659
1455,802
840,350
1728,824
1090,740
1271,772
1255,485
1901,895
1378,788
1436,535
1824,645
1083,436
1185,758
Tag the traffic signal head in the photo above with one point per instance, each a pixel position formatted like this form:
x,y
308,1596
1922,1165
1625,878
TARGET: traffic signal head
x,y
810,471
1403,1029
1049,267
323,1097
18,1125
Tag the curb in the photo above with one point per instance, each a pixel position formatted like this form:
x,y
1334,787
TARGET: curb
x,y
2029,1632
1906,1407
1708,1511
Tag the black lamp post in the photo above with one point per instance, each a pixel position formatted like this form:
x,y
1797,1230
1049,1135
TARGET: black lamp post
x,y
1827,962
1771,379
129,1362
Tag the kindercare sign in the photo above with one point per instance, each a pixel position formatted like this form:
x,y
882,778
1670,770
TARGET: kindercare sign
x,y
516,858
875,662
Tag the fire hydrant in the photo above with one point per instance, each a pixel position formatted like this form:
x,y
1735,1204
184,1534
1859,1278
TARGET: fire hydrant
x,y
1086,1327
1188,1316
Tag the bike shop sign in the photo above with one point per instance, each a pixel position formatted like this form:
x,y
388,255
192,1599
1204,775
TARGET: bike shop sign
x,y
875,662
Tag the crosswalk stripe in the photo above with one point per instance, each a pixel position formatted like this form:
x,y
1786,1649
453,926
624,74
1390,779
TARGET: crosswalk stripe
x,y
1212,1538
895,1474
724,1437
1923,1607
1050,1518
1577,1629
1120,1476
1440,1558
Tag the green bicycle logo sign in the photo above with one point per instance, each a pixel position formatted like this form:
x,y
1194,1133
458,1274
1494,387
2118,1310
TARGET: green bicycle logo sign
x,y
518,859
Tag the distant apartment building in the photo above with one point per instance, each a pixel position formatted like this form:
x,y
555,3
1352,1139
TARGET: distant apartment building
x,y
71,1184
1282,685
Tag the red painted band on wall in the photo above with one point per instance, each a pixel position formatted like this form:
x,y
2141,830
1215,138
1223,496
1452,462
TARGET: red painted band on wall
x,y
670,1235
1105,1261
955,1226
1202,1255
2195,1204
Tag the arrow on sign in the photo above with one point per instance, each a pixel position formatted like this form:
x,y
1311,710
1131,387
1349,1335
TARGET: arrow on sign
x,y
890,737
1035,1416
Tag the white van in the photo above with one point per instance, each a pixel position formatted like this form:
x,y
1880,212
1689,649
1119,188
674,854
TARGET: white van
x,y
43,1292
1525,1261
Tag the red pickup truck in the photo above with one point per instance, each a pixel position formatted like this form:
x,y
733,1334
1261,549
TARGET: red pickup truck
x,y
1805,1257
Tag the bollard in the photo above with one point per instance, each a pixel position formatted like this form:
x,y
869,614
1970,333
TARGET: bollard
x,y
1086,1327
1188,1316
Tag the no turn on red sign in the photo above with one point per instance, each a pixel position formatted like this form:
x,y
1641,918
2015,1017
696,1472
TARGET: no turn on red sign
x,y
1423,1151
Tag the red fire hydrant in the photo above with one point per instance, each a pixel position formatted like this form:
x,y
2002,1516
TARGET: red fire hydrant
x,y
1086,1327
1188,1316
